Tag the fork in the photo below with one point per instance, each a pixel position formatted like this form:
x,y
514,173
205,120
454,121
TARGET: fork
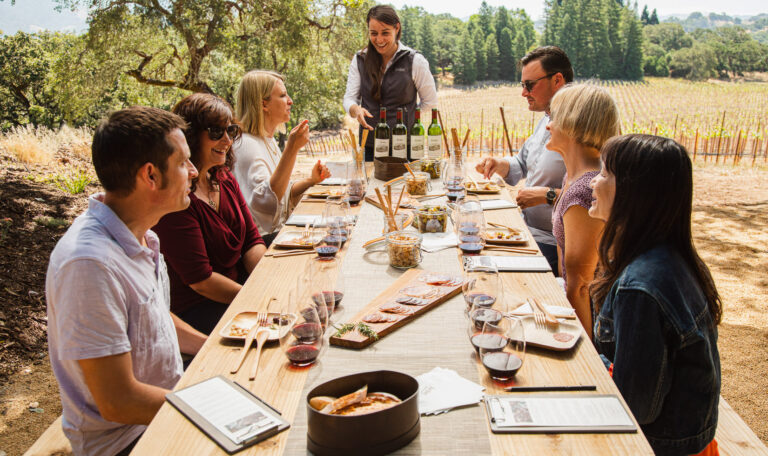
x,y
538,315
261,320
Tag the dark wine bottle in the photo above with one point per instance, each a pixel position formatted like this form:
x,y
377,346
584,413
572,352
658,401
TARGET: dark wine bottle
x,y
400,137
417,138
382,136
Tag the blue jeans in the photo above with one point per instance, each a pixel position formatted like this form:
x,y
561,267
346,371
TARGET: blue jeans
x,y
550,253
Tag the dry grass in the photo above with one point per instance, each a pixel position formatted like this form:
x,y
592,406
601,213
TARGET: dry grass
x,y
39,145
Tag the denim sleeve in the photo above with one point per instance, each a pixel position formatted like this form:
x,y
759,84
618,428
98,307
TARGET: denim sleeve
x,y
641,361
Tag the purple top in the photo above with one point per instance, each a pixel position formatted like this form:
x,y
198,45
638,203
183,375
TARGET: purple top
x,y
578,194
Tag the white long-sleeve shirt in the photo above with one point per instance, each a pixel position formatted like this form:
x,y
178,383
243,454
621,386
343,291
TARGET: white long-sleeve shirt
x,y
422,78
255,160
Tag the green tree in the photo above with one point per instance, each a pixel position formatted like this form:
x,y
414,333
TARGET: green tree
x,y
669,36
654,60
633,50
500,22
492,58
481,61
411,22
428,44
465,71
695,63
519,49
486,14
507,63
448,29
614,62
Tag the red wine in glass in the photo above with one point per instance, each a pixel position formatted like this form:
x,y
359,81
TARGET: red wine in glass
x,y
307,333
488,342
481,316
479,299
302,355
502,365
331,299
471,248
327,251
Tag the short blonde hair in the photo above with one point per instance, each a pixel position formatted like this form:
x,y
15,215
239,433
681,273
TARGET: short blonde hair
x,y
585,112
255,88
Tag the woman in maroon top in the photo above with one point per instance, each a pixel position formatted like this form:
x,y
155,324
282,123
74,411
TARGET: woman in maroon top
x,y
582,118
213,245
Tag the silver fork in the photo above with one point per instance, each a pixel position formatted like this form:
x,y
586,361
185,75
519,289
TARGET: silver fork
x,y
538,315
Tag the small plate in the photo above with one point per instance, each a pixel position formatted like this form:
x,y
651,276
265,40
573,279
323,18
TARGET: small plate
x,y
237,328
296,240
491,237
544,336
325,194
485,188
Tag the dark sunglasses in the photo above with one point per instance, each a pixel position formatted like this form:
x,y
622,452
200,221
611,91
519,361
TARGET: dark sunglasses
x,y
216,133
528,85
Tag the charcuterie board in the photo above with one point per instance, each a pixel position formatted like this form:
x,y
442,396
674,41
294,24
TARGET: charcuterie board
x,y
412,295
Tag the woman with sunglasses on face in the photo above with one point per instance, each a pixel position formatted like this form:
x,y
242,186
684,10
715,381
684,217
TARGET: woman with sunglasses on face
x,y
263,172
212,246
658,307
387,74
582,118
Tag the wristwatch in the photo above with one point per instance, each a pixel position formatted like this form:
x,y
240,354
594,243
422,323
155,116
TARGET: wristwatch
x,y
551,195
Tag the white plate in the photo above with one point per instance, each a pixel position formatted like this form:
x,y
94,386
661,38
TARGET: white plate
x,y
246,321
543,335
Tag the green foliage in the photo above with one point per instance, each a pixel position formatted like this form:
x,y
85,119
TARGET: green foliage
x,y
492,58
694,63
667,35
51,222
654,60
464,69
73,182
507,66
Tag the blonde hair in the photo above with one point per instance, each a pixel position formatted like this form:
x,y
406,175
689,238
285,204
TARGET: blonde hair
x,y
255,88
585,112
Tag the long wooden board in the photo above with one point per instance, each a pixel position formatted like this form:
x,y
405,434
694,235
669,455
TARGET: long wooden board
x,y
353,339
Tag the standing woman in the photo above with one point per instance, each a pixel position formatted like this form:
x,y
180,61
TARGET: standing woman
x,y
658,307
263,172
387,74
212,246
582,118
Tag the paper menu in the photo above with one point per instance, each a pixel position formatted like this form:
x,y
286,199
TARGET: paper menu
x,y
491,204
227,410
519,263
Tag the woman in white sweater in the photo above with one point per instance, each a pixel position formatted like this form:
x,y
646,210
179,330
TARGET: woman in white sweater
x,y
261,170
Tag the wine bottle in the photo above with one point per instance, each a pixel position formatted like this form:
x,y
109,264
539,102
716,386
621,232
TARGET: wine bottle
x,y
400,137
434,138
417,138
382,136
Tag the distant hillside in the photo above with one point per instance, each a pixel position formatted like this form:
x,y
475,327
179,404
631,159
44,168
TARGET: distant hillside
x,y
35,15
756,25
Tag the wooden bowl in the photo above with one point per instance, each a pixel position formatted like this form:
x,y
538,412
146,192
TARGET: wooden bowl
x,y
375,433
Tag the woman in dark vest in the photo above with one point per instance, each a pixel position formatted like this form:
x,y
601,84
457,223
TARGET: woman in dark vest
x,y
387,74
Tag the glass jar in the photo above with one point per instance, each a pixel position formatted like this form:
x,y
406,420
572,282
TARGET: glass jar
x,y
400,221
432,219
432,167
404,249
417,183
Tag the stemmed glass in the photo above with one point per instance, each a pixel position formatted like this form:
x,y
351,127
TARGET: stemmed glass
x,y
300,329
501,347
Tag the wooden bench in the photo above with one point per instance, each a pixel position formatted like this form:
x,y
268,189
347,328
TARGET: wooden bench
x,y
733,436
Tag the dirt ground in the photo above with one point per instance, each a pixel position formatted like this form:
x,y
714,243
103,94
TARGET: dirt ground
x,y
730,229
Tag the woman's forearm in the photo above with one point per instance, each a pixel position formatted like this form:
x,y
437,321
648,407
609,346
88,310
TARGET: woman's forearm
x,y
217,288
280,179
298,188
577,291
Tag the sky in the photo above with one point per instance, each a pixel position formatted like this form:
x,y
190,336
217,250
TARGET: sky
x,y
35,15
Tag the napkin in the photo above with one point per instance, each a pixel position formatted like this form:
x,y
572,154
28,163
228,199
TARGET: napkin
x,y
441,389
557,311
496,204
432,242
512,263
333,181
303,219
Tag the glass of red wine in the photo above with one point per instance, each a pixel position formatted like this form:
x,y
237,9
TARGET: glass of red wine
x,y
300,330
501,347
324,281
482,286
327,240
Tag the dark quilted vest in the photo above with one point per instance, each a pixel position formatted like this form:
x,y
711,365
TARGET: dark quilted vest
x,y
397,91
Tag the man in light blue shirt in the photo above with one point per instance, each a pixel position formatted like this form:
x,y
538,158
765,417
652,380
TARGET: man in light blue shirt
x,y
113,343
544,71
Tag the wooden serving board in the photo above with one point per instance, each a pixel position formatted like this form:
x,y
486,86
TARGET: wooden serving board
x,y
411,278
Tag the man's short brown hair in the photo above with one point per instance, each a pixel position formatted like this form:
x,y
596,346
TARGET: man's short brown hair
x,y
128,139
553,60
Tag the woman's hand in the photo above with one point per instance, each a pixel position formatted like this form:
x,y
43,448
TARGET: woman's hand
x,y
299,136
359,113
319,173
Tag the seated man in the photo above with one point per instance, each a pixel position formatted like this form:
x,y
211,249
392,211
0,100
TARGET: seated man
x,y
113,343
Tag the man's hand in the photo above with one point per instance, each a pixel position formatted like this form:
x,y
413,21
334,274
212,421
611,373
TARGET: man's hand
x,y
319,173
531,196
359,113
489,165
299,136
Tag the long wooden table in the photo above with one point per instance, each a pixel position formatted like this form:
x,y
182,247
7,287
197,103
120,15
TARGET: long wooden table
x,y
438,338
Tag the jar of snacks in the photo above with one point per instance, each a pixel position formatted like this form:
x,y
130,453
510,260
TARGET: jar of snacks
x,y
417,183
432,167
432,219
400,221
404,249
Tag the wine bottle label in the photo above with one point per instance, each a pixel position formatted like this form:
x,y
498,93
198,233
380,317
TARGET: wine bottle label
x,y
417,147
435,145
381,148
400,146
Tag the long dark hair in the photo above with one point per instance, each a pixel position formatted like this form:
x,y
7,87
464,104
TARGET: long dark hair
x,y
653,203
372,64
201,111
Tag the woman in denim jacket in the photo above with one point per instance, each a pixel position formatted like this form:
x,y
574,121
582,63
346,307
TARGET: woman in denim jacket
x,y
656,303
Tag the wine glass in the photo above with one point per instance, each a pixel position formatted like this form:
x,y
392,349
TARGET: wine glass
x,y
300,330
322,278
482,287
326,242
356,182
501,347
454,174
336,215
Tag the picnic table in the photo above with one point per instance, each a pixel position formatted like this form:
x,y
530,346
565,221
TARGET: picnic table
x,y
438,338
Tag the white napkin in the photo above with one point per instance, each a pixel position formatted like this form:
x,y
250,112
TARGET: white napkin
x,y
496,204
432,242
443,389
334,181
557,311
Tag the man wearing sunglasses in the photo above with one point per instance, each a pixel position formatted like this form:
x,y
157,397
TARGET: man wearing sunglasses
x,y
545,70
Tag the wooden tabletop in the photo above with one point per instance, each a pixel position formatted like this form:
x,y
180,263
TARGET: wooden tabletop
x,y
438,338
